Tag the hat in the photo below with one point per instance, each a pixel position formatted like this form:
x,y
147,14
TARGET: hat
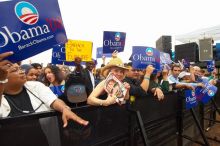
x,y
183,74
114,62
76,93
26,68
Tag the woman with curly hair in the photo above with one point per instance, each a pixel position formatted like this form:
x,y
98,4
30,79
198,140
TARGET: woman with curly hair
x,y
53,76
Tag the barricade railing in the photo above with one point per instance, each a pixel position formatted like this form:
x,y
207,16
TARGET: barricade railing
x,y
146,122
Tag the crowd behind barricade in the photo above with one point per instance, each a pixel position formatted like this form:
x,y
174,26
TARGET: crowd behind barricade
x,y
85,85
29,88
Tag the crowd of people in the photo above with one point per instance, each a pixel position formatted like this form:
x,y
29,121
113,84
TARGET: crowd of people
x,y
27,88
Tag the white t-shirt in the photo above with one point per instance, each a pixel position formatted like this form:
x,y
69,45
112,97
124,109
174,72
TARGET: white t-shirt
x,y
37,88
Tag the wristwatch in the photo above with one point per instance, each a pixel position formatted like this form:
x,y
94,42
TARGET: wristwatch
x,y
3,81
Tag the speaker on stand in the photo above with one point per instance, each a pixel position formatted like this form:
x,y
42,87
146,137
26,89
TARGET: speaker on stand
x,y
164,44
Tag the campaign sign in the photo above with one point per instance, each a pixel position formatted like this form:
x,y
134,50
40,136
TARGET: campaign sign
x,y
206,93
78,48
59,56
165,58
144,56
99,53
186,63
30,27
210,65
113,41
57,90
190,99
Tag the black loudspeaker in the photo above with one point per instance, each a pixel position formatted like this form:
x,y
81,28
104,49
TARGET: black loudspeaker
x,y
164,44
205,49
187,51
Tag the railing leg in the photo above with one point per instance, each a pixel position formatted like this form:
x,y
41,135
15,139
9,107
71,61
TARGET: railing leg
x,y
199,127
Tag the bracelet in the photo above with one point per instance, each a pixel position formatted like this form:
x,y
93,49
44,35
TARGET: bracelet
x,y
3,81
147,78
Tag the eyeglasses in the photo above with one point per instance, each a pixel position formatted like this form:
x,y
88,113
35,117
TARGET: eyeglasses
x,y
18,70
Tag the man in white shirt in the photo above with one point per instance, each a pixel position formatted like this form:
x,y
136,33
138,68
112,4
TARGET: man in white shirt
x,y
174,80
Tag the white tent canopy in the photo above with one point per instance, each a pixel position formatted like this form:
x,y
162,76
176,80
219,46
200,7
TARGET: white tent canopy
x,y
194,36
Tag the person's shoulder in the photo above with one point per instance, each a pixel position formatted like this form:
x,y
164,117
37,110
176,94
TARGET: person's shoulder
x,y
172,79
33,83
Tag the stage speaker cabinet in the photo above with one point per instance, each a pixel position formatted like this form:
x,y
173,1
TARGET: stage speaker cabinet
x,y
164,44
205,49
187,51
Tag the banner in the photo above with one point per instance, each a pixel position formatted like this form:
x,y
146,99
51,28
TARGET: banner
x,y
206,93
99,53
191,100
82,49
210,65
165,58
144,56
30,27
59,56
113,41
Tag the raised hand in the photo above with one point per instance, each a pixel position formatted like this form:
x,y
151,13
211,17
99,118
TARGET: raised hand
x,y
115,54
149,70
4,65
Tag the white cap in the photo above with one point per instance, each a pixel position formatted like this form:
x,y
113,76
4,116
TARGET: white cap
x,y
183,74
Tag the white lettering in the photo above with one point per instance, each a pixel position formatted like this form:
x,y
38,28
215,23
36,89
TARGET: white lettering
x,y
5,39
140,57
46,29
193,99
25,36
13,35
110,43
62,50
16,37
36,32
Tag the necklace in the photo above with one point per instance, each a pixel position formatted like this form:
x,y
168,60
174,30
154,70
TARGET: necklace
x,y
24,111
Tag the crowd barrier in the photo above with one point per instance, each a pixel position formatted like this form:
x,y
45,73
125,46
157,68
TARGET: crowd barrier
x,y
145,122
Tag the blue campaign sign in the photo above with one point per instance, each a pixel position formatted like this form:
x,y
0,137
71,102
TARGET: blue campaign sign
x,y
186,63
143,56
206,93
99,53
30,27
210,65
165,58
113,41
58,90
59,55
190,99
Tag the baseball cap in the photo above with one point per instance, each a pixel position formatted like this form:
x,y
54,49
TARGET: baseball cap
x,y
183,74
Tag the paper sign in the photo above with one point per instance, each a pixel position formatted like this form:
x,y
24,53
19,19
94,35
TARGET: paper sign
x,y
82,49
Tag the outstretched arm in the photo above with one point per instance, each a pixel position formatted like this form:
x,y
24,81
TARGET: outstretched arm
x,y
67,114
